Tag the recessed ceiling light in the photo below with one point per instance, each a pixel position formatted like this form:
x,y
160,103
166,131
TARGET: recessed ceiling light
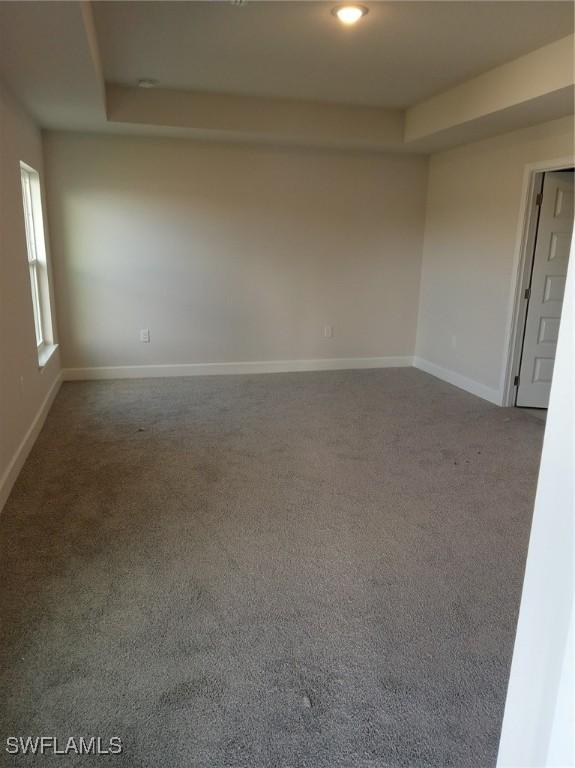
x,y
350,14
147,82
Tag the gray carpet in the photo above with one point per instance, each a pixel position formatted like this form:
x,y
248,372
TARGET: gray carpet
x,y
295,570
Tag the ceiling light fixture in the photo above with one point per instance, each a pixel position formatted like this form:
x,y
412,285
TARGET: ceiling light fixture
x,y
147,82
350,14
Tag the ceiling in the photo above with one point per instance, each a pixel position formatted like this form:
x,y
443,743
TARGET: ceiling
x,y
410,77
45,60
401,53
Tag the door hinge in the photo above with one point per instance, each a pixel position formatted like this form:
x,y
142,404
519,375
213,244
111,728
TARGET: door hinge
x,y
527,294
516,381
539,198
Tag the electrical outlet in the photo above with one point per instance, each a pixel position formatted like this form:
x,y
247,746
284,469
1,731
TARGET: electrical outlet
x,y
145,335
328,331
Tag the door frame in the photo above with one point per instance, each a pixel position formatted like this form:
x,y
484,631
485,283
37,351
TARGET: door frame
x,y
527,229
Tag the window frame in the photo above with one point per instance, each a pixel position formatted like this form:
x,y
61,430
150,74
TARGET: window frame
x,y
37,262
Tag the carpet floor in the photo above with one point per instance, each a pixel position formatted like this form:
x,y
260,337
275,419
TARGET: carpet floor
x,y
301,570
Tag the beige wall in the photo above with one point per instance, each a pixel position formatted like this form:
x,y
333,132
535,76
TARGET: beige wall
x,y
470,248
23,386
231,253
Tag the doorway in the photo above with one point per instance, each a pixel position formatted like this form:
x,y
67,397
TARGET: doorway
x,y
550,228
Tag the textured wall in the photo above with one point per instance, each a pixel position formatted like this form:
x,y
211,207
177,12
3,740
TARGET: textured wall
x,y
23,386
471,234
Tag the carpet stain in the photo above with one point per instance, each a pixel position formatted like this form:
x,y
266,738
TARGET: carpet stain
x,y
184,693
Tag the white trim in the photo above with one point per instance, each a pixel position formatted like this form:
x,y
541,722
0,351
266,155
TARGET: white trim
x,y
452,377
512,325
531,217
208,369
45,353
13,470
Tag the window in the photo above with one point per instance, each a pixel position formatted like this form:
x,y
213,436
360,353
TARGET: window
x,y
37,264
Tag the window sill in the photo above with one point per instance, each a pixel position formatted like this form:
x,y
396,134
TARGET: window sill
x,y
45,354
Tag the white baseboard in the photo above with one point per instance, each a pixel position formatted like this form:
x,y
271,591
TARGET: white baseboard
x,y
281,366
209,369
451,377
13,470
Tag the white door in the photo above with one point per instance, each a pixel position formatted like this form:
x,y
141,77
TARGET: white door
x,y
546,290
